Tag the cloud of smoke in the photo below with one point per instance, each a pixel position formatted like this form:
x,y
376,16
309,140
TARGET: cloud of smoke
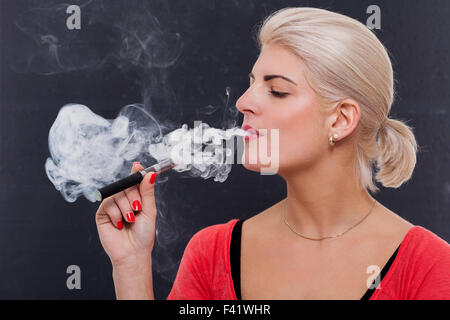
x,y
88,151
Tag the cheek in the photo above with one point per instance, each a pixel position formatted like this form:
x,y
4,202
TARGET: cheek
x,y
301,137
295,138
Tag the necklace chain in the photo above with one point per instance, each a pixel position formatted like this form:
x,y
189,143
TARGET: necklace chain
x,y
329,237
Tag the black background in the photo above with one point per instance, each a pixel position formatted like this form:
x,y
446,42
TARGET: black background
x,y
41,234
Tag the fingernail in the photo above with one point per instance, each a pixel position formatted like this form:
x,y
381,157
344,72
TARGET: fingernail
x,y
120,225
137,205
135,163
153,177
130,216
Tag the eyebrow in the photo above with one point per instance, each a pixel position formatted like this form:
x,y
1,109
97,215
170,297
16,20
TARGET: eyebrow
x,y
272,76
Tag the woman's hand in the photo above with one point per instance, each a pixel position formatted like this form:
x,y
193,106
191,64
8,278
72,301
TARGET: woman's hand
x,y
126,222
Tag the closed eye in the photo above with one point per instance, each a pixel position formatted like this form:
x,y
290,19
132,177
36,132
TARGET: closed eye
x,y
278,94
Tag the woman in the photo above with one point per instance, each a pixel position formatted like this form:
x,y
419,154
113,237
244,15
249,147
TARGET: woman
x,y
326,83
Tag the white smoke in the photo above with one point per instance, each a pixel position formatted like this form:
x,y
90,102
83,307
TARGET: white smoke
x,y
89,152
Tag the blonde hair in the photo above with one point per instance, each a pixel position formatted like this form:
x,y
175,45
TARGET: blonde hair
x,y
343,59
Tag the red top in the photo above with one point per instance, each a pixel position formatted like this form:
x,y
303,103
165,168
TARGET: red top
x,y
421,269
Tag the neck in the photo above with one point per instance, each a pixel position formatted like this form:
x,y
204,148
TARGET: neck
x,y
325,201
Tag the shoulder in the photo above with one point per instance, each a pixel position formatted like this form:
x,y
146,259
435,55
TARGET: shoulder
x,y
212,237
424,243
215,231
209,250
428,239
204,267
426,262
423,253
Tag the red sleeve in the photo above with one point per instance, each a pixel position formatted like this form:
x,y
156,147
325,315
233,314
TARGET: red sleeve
x,y
204,272
190,282
435,284
421,270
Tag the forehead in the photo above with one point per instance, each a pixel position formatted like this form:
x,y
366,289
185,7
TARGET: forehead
x,y
276,59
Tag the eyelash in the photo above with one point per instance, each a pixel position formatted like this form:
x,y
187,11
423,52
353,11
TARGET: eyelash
x,y
277,94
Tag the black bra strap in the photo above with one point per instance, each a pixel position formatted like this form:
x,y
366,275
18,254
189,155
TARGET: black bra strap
x,y
380,277
235,257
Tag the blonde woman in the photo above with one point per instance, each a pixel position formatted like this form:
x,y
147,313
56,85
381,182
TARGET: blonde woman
x,y
326,83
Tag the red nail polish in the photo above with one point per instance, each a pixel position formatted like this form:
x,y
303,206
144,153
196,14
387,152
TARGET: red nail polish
x,y
153,177
137,205
120,225
130,216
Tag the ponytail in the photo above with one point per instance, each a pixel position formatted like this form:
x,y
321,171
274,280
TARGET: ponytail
x,y
397,157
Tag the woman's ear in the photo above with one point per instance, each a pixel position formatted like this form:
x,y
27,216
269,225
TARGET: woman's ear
x,y
345,118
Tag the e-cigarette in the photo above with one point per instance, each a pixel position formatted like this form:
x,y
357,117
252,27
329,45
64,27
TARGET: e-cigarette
x,y
132,180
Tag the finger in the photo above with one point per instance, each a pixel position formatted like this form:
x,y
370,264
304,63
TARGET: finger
x,y
147,191
132,193
110,213
124,205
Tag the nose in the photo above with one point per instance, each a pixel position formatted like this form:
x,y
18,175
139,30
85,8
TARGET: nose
x,y
244,104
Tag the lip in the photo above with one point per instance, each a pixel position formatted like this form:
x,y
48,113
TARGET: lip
x,y
254,134
250,129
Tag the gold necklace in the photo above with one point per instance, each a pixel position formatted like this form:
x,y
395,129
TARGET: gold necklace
x,y
318,239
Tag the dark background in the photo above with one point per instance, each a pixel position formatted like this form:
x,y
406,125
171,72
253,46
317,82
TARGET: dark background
x,y
210,47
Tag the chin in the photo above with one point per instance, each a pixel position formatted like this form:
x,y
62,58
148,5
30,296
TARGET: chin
x,y
252,167
264,169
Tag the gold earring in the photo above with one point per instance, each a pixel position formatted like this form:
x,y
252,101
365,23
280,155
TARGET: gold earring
x,y
331,141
